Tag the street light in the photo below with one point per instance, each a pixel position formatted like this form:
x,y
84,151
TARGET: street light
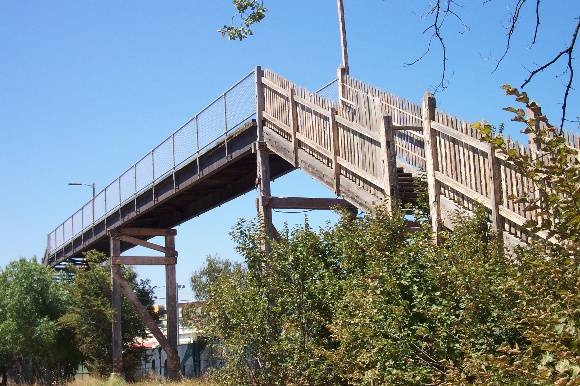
x,y
94,194
177,288
81,184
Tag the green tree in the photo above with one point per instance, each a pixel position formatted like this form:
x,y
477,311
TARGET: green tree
x,y
546,274
365,302
90,315
33,342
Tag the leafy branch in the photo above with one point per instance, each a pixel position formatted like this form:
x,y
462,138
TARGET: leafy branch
x,y
250,12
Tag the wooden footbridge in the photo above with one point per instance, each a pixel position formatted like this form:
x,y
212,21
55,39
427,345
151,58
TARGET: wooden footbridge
x,y
367,145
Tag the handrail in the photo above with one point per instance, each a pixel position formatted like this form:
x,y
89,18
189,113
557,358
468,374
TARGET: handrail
x,y
225,124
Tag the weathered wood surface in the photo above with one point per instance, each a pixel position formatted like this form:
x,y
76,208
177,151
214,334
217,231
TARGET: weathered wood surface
x,y
171,306
343,146
116,300
308,203
143,260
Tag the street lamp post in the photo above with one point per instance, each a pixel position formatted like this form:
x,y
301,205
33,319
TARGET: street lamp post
x,y
177,287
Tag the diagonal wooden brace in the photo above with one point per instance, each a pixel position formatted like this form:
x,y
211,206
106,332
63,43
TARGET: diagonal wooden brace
x,y
145,317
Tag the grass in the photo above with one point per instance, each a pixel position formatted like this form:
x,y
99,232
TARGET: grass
x,y
91,381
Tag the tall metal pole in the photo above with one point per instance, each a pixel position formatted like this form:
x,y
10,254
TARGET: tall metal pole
x,y
343,42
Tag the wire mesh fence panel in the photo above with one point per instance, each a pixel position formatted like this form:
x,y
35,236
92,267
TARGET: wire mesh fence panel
x,y
241,102
330,91
144,172
233,108
50,242
88,214
163,156
185,143
100,205
68,231
77,222
58,237
211,123
127,184
112,194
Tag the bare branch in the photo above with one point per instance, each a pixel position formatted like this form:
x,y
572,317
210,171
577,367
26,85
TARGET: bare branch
x,y
570,69
537,22
437,29
440,11
511,30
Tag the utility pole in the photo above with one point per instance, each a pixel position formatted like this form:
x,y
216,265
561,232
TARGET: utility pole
x,y
343,42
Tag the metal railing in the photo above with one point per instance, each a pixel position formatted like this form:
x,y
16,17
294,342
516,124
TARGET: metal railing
x,y
329,90
217,121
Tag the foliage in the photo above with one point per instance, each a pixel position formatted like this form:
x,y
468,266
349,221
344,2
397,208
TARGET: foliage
x,y
553,168
90,315
250,13
365,302
33,344
546,274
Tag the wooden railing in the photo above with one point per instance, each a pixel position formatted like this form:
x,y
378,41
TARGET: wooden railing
x,y
352,142
357,137
461,168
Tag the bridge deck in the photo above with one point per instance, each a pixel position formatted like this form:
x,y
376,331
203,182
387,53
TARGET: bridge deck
x,y
192,190
355,147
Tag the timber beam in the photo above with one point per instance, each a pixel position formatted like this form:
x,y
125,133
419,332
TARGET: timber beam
x,y
143,260
149,232
309,203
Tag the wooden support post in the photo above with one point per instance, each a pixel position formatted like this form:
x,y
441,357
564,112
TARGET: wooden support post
x,y
171,306
533,114
262,159
117,340
431,161
389,160
494,180
335,150
130,235
341,75
535,148
294,123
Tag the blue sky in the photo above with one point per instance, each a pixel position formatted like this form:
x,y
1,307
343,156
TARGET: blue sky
x,y
88,87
